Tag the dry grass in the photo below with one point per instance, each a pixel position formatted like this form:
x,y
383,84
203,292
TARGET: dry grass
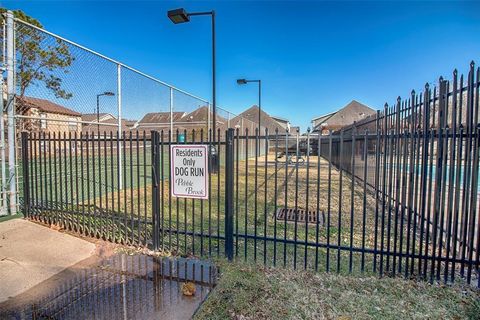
x,y
264,185
248,292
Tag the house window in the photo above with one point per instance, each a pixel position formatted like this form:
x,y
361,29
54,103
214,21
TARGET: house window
x,y
72,124
43,121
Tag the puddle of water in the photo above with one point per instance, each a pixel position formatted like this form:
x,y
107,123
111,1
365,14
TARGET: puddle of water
x,y
120,287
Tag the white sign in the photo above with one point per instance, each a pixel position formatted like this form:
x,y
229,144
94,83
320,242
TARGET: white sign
x,y
189,171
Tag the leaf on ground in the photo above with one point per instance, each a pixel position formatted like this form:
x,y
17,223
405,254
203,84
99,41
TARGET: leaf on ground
x,y
188,289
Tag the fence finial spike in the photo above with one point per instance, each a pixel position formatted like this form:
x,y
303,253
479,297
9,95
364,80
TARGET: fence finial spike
x,y
440,79
308,129
472,63
399,99
427,85
413,92
455,72
385,105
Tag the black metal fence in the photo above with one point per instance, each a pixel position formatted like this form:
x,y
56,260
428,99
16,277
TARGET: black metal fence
x,y
421,161
400,198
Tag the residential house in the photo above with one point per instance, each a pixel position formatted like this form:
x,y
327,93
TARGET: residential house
x,y
285,123
130,124
43,115
92,117
249,120
196,120
334,121
108,126
157,121
199,118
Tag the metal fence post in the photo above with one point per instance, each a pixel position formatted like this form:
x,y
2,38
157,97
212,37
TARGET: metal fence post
x,y
119,134
208,118
11,113
229,158
171,113
26,175
155,188
3,187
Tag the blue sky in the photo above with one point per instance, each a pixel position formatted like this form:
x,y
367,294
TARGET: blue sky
x,y
312,57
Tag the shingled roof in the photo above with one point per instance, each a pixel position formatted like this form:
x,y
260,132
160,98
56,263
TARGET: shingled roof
x,y
201,115
90,117
109,125
352,112
160,117
251,114
43,105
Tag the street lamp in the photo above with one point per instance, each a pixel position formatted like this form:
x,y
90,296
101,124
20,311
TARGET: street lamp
x,y
181,16
106,93
245,81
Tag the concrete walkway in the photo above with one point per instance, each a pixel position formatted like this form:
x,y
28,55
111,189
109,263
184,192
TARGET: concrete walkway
x,y
30,254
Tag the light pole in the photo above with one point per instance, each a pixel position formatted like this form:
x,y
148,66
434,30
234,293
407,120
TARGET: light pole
x,y
106,93
181,16
245,81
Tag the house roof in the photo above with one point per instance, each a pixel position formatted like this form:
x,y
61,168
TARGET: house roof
x,y
46,106
352,112
251,114
324,117
160,117
129,123
89,117
201,115
109,125
279,119
282,121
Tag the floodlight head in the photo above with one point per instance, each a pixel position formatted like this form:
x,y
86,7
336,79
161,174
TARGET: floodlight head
x,y
109,93
178,16
241,81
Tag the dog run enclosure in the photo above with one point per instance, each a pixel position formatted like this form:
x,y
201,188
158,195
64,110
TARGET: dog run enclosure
x,y
395,194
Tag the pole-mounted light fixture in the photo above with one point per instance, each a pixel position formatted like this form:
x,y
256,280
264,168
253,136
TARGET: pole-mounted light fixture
x,y
106,93
245,81
180,15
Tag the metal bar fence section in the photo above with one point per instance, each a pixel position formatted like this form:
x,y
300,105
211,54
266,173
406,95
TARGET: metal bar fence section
x,y
74,184
293,213
427,184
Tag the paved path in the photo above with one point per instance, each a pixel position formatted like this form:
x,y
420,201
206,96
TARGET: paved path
x,y
30,254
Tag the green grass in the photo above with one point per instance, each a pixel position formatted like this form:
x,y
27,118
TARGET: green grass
x,y
9,217
94,175
246,291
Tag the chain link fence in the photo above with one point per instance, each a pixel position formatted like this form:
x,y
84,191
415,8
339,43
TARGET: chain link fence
x,y
65,88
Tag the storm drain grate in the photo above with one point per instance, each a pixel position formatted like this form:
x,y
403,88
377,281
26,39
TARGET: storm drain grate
x,y
300,215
